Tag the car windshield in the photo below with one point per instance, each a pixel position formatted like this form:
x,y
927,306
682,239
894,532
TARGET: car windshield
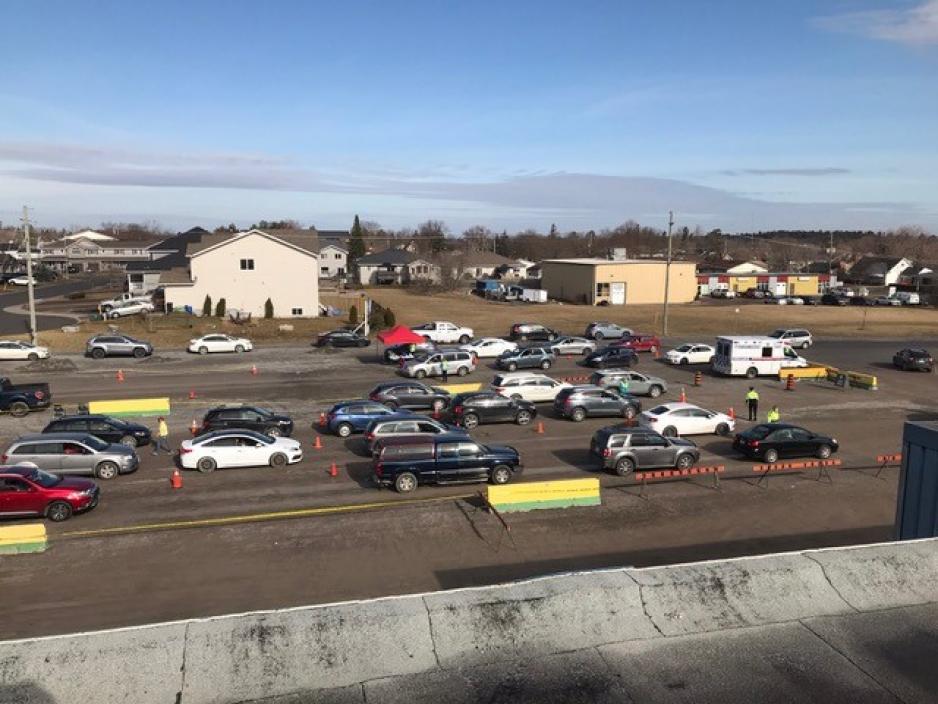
x,y
683,348
758,432
658,410
777,334
44,479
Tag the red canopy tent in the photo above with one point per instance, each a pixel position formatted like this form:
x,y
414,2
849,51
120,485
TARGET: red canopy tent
x,y
399,335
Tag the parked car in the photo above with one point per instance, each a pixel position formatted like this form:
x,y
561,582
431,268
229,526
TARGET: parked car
x,y
21,281
28,491
611,357
411,395
602,330
887,301
691,353
639,343
458,363
222,449
489,346
754,293
913,359
125,310
723,293
478,407
581,402
396,353
532,331
572,345
123,299
349,417
110,430
341,338
378,431
860,301
771,441
443,332
795,337
219,342
255,418
72,453
526,358
834,299
527,386
406,463
19,399
17,349
627,449
672,419
639,384
101,346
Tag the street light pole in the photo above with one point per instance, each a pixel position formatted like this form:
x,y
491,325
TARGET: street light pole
x,y
30,293
667,277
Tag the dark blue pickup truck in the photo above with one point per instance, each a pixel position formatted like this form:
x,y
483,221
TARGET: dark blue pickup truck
x,y
20,399
449,458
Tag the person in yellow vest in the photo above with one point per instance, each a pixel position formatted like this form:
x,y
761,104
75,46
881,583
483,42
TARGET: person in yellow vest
x,y
773,416
162,437
752,403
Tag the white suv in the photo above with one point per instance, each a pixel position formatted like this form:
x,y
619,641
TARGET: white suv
x,y
796,337
527,386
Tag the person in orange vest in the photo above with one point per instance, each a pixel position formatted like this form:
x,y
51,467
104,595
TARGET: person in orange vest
x,y
162,437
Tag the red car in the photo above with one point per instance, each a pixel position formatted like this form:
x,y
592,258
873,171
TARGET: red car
x,y
639,343
28,491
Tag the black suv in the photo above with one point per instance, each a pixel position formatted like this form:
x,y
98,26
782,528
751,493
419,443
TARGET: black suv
x,y
411,395
471,409
247,418
404,463
611,357
532,331
111,430
580,402
912,359
833,299
628,449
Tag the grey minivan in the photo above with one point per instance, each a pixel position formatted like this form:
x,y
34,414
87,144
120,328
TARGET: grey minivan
x,y
72,453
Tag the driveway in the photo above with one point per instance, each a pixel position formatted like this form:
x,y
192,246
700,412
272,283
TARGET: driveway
x,y
17,323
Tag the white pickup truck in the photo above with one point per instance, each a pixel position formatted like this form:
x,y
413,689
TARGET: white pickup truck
x,y
122,300
442,332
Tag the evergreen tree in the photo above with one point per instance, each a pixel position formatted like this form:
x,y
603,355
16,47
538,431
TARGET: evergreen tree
x,y
220,308
207,306
356,242
268,308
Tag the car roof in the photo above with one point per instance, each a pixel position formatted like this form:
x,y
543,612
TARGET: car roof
x,y
679,405
85,416
227,431
521,375
49,437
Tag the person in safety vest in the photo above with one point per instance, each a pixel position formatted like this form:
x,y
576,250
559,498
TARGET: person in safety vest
x,y
752,403
773,416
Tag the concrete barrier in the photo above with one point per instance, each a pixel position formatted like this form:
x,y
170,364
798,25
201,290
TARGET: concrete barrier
x,y
23,538
562,493
131,407
812,372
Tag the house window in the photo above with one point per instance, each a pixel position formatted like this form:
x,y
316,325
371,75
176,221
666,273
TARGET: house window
x,y
297,311
247,265
323,270
602,290
338,256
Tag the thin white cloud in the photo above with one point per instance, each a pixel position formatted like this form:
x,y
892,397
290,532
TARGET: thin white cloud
x,y
917,26
807,171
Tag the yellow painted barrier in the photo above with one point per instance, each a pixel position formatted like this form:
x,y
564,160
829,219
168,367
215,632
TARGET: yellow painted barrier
x,y
534,495
812,372
461,388
863,381
131,407
23,538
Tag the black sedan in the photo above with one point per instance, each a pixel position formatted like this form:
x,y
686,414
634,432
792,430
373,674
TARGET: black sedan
x,y
341,338
772,441
913,359
410,395
472,409
611,357
111,430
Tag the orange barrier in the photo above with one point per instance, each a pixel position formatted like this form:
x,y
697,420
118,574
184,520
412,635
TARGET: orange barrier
x,y
809,464
672,473
889,459
574,379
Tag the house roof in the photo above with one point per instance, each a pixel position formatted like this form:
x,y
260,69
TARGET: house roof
x,y
397,257
304,240
338,244
177,275
484,259
176,246
873,267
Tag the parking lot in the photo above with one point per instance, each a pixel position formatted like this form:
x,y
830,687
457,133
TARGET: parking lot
x,y
260,538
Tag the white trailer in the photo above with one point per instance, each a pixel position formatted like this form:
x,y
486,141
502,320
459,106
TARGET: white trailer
x,y
754,356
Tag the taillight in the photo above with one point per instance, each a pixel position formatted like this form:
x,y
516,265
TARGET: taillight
x,y
607,452
568,402
369,436
753,443
379,468
458,410
39,395
184,450
4,458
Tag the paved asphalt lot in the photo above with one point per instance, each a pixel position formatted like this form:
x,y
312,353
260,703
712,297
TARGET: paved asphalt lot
x,y
15,323
143,556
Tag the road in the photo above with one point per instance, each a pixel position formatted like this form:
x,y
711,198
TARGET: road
x,y
259,538
15,323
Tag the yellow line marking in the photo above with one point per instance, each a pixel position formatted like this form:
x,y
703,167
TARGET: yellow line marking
x,y
255,517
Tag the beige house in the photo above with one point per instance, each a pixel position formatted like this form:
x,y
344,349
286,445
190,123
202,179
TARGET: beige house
x,y
247,268
631,281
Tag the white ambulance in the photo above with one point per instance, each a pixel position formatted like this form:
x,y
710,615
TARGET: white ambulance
x,y
754,356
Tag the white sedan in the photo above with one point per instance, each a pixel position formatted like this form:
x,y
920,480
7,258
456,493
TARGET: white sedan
x,y
130,308
489,346
673,419
15,349
238,448
527,386
691,353
22,281
217,342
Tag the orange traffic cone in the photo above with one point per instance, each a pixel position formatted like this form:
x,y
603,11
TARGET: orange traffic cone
x,y
175,481
683,395
120,375
333,470
322,419
253,370
191,394
193,427
540,428
318,444
732,413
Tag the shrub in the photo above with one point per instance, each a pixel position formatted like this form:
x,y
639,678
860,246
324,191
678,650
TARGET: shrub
x,y
220,308
268,308
207,306
390,320
353,315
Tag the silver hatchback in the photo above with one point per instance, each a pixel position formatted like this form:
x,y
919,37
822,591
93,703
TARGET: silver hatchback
x,y
72,453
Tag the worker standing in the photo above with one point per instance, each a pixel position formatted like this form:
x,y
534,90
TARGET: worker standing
x,y
444,369
623,387
752,403
773,416
162,437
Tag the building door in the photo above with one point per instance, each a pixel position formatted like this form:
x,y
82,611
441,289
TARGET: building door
x,y
617,293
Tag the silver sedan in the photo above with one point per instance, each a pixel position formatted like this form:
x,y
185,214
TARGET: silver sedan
x,y
572,345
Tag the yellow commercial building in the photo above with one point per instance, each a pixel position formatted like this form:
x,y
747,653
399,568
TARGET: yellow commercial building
x,y
631,281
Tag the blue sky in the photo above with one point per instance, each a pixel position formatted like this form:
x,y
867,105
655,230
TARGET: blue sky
x,y
517,114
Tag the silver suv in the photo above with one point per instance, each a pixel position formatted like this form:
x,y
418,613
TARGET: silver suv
x,y
600,330
638,383
72,453
628,449
458,363
796,337
101,346
380,430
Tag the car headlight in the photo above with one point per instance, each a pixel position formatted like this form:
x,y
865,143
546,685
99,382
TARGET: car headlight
x,y
76,496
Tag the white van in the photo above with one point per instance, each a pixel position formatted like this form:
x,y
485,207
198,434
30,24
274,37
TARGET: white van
x,y
754,356
908,298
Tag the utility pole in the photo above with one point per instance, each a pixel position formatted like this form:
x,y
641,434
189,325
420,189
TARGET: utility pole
x,y
667,277
30,292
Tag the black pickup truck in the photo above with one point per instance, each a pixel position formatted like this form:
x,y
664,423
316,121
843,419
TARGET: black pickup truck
x,y
448,458
20,399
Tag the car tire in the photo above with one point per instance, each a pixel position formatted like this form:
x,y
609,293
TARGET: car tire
x,y
578,415
628,412
343,430
684,361
239,349
523,417
139,352
470,420
711,360
128,441
545,365
278,460
598,337
670,432
106,470
274,433
19,409
462,371
420,374
97,353
405,483
203,350
722,429
685,461
516,397
771,456
625,466
823,452
655,391
752,373
113,315
585,351
32,357
464,339
512,367
58,511
806,345
206,465
501,474
391,404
